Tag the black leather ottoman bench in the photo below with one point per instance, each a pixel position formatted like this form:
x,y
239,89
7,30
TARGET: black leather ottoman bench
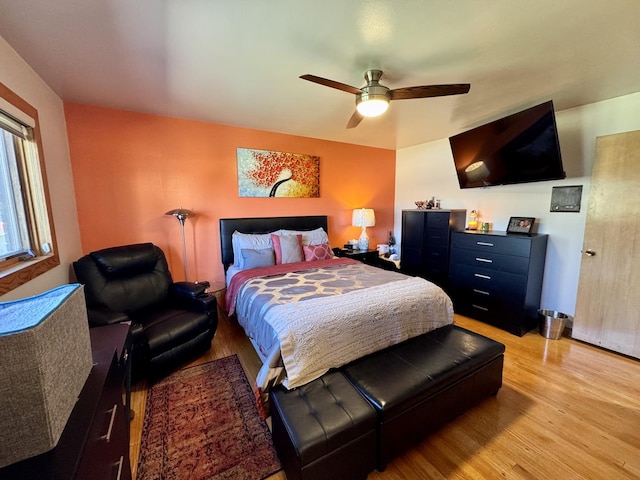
x,y
421,384
324,430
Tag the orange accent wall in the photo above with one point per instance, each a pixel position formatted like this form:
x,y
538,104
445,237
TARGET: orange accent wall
x,y
129,168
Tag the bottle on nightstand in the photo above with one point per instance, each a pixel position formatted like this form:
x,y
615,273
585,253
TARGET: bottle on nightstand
x,y
392,243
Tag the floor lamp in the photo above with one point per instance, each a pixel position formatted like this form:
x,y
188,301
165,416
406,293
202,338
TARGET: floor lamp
x,y
182,214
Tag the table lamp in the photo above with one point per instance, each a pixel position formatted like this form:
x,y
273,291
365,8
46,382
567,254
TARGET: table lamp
x,y
363,217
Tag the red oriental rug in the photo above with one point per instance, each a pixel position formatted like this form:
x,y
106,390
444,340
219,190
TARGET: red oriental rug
x,y
201,423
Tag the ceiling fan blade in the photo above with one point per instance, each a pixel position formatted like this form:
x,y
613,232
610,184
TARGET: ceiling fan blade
x,y
425,91
331,83
355,119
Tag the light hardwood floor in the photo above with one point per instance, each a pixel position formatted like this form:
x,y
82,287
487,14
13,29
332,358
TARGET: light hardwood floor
x,y
566,410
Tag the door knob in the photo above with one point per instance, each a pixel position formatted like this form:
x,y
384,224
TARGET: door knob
x,y
589,253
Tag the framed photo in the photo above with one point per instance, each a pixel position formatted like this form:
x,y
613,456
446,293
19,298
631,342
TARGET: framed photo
x,y
521,225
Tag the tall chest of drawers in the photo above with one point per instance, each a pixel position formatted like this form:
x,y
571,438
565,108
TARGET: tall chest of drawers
x,y
497,278
425,244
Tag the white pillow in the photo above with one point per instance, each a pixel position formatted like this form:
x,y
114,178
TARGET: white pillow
x,y
251,241
309,237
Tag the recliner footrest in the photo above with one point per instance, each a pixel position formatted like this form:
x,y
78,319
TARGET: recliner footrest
x,y
324,430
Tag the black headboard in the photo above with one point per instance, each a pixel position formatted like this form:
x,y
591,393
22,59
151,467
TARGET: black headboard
x,y
263,225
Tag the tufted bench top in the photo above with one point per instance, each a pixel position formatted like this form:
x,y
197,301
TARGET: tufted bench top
x,y
408,372
324,429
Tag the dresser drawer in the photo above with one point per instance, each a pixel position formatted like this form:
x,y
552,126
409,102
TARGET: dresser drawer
x,y
436,270
105,454
504,285
506,245
490,260
437,219
437,254
493,313
437,237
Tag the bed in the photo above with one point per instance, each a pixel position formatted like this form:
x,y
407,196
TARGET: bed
x,y
306,311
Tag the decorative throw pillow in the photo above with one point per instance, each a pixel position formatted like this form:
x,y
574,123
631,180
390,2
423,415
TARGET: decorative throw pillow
x,y
288,248
309,237
258,258
317,252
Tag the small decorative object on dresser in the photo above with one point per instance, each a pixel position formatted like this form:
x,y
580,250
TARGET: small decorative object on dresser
x,y
521,225
473,220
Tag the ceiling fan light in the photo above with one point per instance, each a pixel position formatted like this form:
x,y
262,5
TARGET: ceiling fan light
x,y
372,107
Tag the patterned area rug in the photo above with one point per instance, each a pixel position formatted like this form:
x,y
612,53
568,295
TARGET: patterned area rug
x,y
202,422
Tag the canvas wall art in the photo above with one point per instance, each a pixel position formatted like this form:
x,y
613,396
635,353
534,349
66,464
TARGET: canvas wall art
x,y
263,173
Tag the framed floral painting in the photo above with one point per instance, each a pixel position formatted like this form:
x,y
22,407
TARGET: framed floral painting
x,y
263,173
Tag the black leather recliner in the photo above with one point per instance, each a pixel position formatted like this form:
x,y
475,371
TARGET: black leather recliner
x,y
170,322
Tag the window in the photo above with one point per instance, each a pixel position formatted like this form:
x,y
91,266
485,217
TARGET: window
x,y
27,240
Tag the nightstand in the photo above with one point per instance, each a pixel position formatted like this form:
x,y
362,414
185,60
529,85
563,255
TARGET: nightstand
x,y
370,257
219,290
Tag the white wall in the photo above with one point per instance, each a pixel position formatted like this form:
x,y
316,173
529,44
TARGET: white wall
x,y
17,75
428,170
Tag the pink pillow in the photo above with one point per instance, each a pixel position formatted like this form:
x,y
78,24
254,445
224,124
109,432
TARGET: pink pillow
x,y
288,248
317,252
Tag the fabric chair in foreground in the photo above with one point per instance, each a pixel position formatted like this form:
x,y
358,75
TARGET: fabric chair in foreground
x,y
171,322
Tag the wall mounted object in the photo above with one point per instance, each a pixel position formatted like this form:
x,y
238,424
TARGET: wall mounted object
x,y
566,199
262,173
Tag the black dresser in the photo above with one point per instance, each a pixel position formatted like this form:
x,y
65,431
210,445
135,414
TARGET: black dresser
x,y
497,278
426,234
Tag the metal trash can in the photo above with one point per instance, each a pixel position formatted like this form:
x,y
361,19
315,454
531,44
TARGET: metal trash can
x,y
552,323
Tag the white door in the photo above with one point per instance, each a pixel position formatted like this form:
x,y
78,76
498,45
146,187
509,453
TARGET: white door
x,y
608,303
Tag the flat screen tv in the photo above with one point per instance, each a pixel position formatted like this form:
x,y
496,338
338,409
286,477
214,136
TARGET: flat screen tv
x,y
519,148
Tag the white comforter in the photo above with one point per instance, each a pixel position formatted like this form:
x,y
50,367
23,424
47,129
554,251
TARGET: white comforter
x,y
329,332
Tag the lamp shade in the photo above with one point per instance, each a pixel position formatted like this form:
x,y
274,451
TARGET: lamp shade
x,y
181,214
45,353
363,217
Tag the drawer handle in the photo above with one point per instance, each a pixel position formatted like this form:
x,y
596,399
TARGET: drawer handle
x,y
479,275
120,463
485,260
484,309
485,244
480,291
107,437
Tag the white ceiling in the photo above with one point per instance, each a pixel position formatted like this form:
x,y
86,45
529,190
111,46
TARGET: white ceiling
x,y
237,62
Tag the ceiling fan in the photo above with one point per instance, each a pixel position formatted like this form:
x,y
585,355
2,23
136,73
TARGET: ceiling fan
x,y
373,99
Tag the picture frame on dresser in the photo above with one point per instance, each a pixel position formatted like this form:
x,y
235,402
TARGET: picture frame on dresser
x,y
521,225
